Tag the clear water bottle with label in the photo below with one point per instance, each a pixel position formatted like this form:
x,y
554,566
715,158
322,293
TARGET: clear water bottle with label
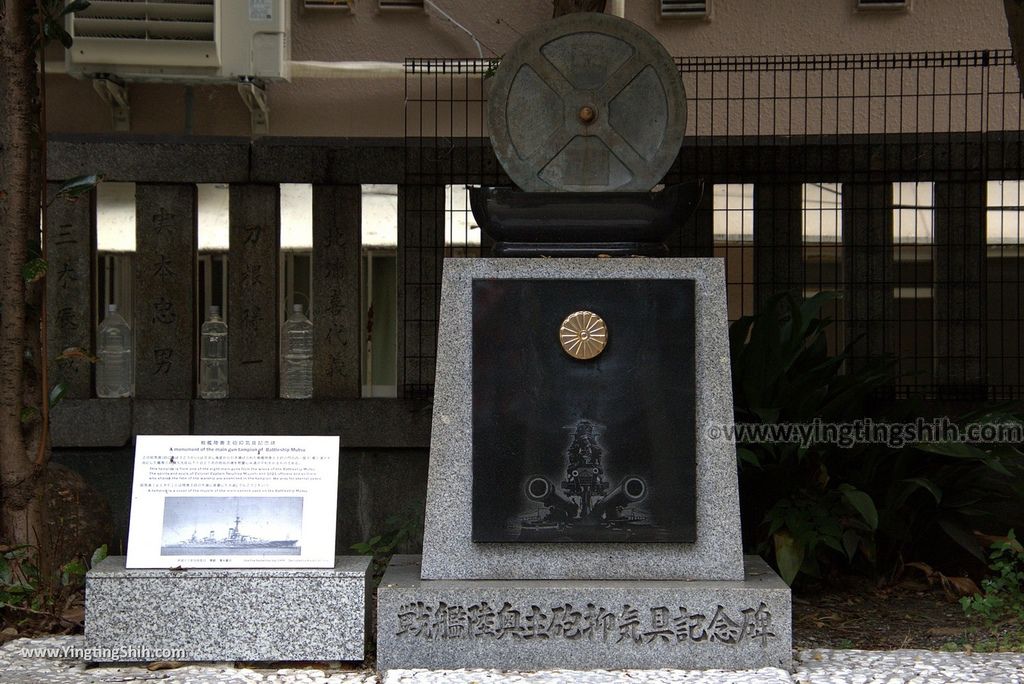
x,y
114,356
213,357
297,356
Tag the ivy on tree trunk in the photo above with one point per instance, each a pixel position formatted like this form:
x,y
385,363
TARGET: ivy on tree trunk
x,y
23,456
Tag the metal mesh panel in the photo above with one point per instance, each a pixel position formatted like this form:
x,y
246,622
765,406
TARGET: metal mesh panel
x,y
891,179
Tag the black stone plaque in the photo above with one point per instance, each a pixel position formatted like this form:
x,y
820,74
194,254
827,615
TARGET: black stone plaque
x,y
569,450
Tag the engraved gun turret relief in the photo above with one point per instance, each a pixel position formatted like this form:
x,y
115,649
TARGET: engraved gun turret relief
x,y
585,497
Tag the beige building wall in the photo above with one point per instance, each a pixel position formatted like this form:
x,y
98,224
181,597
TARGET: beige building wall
x,y
375,106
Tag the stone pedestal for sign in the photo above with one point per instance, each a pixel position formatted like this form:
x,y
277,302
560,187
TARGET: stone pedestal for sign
x,y
245,614
529,605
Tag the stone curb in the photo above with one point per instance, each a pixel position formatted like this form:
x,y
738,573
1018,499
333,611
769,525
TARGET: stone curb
x,y
23,661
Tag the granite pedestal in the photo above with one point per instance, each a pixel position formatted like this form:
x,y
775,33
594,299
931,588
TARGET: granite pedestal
x,y
525,605
582,624
224,615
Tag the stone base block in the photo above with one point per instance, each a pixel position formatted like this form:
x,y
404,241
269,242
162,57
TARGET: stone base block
x,y
582,624
239,614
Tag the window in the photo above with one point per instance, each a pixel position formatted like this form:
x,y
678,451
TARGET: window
x,y
379,291
1004,208
212,272
296,267
822,230
115,247
1004,287
914,209
461,232
913,246
733,207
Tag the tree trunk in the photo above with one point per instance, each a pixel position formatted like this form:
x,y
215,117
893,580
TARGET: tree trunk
x,y
22,462
1015,26
561,7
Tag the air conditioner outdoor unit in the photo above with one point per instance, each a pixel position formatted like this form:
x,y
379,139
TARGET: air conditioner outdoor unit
x,y
191,41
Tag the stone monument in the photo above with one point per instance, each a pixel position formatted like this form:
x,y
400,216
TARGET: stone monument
x,y
579,515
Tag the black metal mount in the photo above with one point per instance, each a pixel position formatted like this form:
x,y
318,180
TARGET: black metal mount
x,y
582,224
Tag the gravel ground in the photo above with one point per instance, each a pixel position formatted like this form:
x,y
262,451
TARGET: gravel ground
x,y
23,662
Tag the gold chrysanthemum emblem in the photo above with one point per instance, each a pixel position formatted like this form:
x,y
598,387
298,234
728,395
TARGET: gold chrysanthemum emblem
x,y
583,335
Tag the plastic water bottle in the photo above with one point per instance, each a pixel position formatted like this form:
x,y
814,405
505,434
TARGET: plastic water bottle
x,y
114,349
297,356
213,357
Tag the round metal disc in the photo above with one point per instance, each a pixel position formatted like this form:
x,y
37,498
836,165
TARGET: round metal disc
x,y
586,102
583,335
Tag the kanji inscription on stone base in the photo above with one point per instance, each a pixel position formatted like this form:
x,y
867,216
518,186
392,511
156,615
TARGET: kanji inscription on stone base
x,y
631,624
582,624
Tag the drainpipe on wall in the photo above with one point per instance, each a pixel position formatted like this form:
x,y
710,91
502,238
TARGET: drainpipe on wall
x,y
308,69
617,8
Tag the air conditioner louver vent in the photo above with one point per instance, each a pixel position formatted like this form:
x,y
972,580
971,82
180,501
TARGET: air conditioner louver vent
x,y
400,4
146,20
883,4
146,32
685,9
327,4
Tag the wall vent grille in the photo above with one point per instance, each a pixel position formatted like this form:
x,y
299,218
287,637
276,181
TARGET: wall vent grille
x,y
883,4
685,9
121,19
400,4
343,5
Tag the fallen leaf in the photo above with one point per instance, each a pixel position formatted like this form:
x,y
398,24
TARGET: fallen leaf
x,y
960,586
74,614
990,539
165,665
928,570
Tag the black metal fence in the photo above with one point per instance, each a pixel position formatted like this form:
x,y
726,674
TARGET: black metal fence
x,y
893,179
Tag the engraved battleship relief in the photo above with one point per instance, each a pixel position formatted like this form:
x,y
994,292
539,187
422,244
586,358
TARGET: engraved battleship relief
x,y
585,498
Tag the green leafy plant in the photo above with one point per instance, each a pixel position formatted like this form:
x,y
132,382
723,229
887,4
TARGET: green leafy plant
x,y
927,492
1002,594
492,67
798,507
862,505
403,532
51,603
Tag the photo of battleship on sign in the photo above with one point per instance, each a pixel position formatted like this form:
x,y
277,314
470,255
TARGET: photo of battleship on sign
x,y
270,526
